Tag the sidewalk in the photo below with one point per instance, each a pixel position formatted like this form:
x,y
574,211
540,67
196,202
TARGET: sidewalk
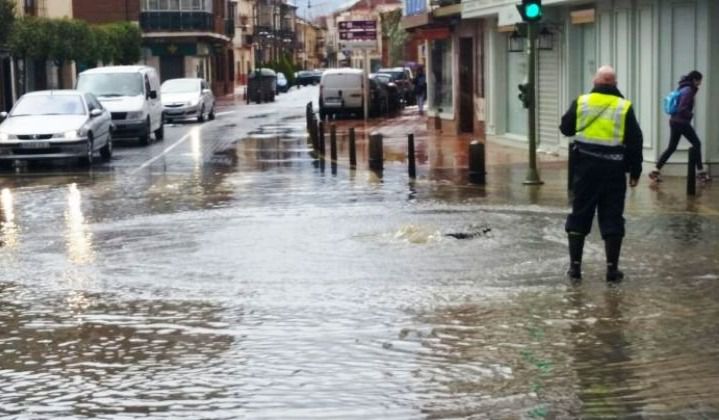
x,y
443,158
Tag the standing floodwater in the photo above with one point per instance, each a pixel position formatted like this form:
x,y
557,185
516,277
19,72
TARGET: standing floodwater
x,y
224,274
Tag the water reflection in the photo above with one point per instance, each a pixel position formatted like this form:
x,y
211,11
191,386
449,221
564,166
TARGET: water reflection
x,y
603,356
8,229
78,237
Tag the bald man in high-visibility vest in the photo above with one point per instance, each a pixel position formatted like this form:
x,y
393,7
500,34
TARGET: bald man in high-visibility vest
x,y
607,145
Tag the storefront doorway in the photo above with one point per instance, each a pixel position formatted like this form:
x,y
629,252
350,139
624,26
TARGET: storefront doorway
x,y
172,67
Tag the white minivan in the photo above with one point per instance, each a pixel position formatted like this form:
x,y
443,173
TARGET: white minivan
x,y
341,91
132,95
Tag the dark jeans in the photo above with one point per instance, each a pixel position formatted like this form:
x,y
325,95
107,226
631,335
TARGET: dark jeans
x,y
599,186
677,131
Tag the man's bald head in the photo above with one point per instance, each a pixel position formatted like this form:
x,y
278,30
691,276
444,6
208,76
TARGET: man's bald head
x,y
605,76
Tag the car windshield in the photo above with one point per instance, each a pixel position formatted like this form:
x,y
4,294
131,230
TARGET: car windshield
x,y
382,78
49,105
111,84
392,75
180,86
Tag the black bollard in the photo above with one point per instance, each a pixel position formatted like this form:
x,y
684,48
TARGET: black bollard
x,y
376,158
321,149
570,166
353,149
476,162
333,143
412,168
692,173
315,137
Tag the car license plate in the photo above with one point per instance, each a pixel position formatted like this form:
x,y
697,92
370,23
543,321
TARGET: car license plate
x,y
333,101
35,145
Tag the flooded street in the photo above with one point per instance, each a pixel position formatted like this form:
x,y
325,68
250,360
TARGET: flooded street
x,y
224,274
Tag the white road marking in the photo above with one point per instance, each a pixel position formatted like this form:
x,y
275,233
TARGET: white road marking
x,y
184,138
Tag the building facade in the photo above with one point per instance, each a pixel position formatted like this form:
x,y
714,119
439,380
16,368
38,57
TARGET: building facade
x,y
452,51
309,53
180,38
243,42
274,30
651,43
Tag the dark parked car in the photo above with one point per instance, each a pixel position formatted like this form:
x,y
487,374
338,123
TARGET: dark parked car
x,y
402,78
394,97
378,96
304,78
316,76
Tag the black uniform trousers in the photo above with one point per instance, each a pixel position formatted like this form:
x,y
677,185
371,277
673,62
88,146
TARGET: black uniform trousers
x,y
599,185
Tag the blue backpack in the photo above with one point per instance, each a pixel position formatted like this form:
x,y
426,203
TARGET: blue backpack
x,y
671,102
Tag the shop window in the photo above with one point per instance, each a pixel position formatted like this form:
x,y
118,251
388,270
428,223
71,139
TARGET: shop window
x,y
441,55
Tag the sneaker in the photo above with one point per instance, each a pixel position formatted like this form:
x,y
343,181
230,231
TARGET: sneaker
x,y
703,176
655,176
574,273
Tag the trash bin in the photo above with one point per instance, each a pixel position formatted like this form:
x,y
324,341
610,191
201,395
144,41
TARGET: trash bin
x,y
262,85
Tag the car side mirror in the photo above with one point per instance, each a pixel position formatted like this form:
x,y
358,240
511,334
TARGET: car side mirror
x,y
95,113
206,91
3,115
152,94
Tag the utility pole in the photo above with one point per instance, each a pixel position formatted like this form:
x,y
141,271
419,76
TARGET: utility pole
x,y
531,12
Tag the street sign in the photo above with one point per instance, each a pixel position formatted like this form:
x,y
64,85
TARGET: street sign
x,y
358,34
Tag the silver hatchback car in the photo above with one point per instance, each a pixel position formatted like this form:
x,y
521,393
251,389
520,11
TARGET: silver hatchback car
x,y
56,124
187,98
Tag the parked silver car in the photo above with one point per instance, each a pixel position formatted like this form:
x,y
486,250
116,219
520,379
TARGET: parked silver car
x,y
56,124
187,98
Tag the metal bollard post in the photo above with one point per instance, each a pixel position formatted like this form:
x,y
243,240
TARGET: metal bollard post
x,y
314,135
476,162
353,149
692,173
321,143
376,158
333,143
412,169
570,166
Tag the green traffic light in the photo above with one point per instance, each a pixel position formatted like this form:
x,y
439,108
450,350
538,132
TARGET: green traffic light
x,y
533,11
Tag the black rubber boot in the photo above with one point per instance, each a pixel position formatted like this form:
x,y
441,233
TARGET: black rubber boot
x,y
576,248
613,247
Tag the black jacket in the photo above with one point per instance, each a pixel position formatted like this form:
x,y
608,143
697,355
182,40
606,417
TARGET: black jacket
x,y
633,138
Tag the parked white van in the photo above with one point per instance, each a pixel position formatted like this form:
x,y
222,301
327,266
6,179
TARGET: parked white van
x,y
132,95
341,91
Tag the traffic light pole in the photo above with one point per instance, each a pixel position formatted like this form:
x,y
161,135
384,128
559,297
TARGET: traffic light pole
x,y
532,173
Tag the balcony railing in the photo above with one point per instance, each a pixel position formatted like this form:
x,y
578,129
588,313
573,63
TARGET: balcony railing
x,y
177,22
442,3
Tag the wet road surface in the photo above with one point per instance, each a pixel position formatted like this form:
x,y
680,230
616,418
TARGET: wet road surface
x,y
223,273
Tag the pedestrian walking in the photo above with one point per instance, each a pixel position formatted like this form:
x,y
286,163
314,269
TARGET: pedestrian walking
x,y
420,89
680,124
607,145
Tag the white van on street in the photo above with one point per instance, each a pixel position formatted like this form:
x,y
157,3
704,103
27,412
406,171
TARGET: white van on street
x,y
132,95
342,91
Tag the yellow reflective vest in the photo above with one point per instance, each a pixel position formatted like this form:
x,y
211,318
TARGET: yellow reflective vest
x,y
601,119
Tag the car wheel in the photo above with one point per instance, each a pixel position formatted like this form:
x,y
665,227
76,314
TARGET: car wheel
x,y
201,115
106,151
211,116
86,161
145,138
160,132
